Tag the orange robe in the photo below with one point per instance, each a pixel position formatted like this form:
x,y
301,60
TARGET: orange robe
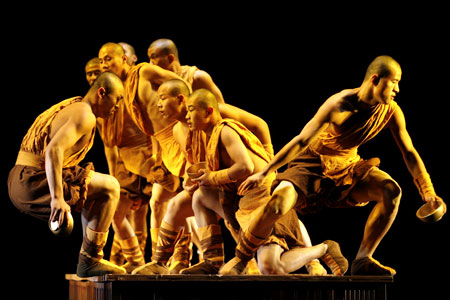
x,y
255,199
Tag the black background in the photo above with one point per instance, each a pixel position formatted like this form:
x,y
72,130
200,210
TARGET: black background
x,y
281,64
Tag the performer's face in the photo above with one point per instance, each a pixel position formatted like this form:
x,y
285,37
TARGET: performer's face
x,y
110,101
168,105
197,117
110,61
158,58
388,87
92,72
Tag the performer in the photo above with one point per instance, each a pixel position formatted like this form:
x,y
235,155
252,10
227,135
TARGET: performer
x,y
172,105
135,191
92,70
141,82
130,53
47,181
232,154
325,168
164,53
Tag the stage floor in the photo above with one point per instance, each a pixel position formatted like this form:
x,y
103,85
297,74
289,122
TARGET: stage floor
x,y
249,287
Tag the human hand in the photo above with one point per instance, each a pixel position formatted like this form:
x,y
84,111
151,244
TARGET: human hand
x,y
202,179
251,182
435,198
189,186
59,210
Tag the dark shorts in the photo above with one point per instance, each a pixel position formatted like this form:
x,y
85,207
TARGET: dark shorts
x,y
132,186
29,192
317,191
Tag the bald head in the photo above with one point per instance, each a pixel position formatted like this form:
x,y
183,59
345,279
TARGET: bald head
x,y
113,58
382,66
163,47
176,87
130,53
107,80
203,98
113,48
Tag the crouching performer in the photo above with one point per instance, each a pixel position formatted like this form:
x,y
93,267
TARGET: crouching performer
x,y
47,182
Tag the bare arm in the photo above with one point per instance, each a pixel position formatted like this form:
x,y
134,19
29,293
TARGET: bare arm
x,y
312,129
411,157
254,123
112,156
61,144
202,80
157,75
241,167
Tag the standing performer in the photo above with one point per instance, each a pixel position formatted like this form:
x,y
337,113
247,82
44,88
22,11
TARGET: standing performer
x,y
325,168
134,189
141,83
47,182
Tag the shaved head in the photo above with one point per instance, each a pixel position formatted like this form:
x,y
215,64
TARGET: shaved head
x,y
164,46
107,80
203,98
176,87
113,48
383,66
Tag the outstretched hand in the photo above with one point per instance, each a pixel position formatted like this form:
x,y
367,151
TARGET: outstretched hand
x,y
432,198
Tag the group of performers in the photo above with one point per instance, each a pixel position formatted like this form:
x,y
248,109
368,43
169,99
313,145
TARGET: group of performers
x,y
159,119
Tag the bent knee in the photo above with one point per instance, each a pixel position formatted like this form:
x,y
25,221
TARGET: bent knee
x,y
269,266
282,201
392,193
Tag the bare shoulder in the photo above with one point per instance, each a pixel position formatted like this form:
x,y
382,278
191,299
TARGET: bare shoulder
x,y
177,131
201,74
229,136
342,101
147,70
81,115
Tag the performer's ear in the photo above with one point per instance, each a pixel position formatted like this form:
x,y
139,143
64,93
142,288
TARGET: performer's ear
x,y
210,110
171,57
101,92
180,98
375,79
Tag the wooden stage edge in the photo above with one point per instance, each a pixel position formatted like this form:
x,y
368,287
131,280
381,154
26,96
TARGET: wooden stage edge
x,y
228,287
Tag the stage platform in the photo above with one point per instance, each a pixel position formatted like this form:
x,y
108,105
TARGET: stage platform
x,y
216,287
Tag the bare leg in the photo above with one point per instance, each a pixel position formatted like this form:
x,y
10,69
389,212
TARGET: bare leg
x,y
379,187
103,196
283,199
158,204
104,190
178,209
121,224
206,206
272,259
